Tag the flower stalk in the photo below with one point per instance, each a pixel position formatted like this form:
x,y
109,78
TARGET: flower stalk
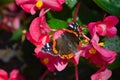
x,y
76,72
44,75
76,12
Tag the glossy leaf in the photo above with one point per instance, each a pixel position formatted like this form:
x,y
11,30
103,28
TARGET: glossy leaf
x,y
57,24
71,3
17,34
111,6
112,43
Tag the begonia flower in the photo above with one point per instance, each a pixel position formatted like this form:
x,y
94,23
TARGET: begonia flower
x,y
38,31
39,26
97,54
52,62
14,75
105,27
102,74
31,6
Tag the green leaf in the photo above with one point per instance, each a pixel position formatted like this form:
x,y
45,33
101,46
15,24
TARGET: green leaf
x,y
5,1
85,30
71,3
112,43
111,6
17,34
57,24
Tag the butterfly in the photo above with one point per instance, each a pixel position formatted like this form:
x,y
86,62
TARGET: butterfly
x,y
66,45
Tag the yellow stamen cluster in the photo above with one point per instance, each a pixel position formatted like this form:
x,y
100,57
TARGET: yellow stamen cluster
x,y
92,51
101,44
86,41
100,79
45,60
80,43
39,4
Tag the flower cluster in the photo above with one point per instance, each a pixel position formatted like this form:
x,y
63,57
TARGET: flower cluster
x,y
11,17
90,48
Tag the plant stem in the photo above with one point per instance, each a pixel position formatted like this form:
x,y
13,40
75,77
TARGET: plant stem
x,y
76,11
44,75
76,72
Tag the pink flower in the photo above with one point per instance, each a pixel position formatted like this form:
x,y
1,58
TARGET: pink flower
x,y
105,27
31,6
52,62
39,27
38,32
102,74
97,54
14,75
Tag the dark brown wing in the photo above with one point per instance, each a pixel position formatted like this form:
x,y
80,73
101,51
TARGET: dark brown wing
x,y
67,44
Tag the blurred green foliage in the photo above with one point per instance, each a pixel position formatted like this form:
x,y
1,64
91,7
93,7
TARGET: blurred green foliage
x,y
110,6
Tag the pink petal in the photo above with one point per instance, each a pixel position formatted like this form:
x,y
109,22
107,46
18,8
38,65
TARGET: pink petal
x,y
16,23
12,6
103,75
3,75
60,64
111,32
107,55
58,34
30,38
76,57
28,8
35,29
61,1
95,39
101,29
14,75
50,66
91,27
54,5
111,21
97,59
20,2
42,41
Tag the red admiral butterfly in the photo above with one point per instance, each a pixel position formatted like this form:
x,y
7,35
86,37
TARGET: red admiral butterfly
x,y
66,45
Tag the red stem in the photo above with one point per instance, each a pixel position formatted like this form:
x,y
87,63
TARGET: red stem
x,y
44,75
76,72
76,11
